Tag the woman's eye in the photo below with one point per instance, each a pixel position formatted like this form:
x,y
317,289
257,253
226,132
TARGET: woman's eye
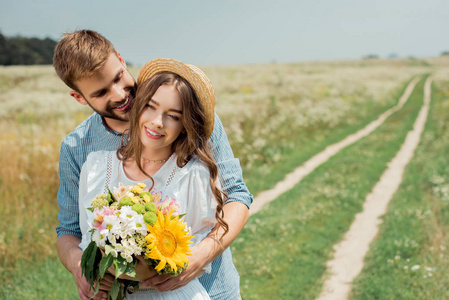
x,y
150,106
176,118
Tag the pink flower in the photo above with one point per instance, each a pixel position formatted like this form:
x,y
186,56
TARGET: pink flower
x,y
98,224
98,219
99,214
157,196
167,205
108,211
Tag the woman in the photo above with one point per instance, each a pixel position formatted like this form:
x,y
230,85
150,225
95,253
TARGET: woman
x,y
171,121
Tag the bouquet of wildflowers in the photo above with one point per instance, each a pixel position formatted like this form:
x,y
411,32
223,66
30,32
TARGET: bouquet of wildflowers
x,y
127,223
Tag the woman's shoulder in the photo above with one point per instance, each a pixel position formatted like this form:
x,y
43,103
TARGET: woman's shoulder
x,y
101,154
195,167
195,164
99,157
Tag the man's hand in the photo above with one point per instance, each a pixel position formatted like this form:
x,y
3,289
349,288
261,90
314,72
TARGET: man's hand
x,y
86,293
70,256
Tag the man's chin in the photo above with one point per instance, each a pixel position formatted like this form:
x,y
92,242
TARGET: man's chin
x,y
124,117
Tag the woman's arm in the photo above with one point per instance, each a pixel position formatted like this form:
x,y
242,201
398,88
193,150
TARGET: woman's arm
x,y
212,245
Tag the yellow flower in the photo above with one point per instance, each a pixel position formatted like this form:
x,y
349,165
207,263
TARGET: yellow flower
x,y
137,189
135,199
168,242
141,184
146,198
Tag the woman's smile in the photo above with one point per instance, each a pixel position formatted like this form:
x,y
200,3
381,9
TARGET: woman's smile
x,y
153,134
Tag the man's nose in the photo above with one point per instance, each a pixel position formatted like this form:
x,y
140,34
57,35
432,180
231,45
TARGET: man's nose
x,y
119,93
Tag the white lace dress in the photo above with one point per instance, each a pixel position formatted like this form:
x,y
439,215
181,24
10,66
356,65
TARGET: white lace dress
x,y
189,186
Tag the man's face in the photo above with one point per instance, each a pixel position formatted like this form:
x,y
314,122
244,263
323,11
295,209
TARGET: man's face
x,y
110,92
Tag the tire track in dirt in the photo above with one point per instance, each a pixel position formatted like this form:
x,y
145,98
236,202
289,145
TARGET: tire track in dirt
x,y
350,252
299,173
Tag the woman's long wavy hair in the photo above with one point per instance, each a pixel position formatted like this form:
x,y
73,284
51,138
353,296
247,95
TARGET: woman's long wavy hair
x,y
191,142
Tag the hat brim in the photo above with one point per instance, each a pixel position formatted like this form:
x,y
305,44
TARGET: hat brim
x,y
201,85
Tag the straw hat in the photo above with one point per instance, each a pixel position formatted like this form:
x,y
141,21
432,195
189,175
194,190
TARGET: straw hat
x,y
201,85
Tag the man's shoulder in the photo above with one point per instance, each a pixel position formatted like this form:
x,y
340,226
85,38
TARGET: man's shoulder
x,y
218,130
83,130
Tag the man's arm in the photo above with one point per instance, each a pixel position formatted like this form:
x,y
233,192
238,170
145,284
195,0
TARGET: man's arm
x,y
236,214
69,230
70,256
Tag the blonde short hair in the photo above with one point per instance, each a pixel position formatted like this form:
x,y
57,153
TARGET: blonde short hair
x,y
80,55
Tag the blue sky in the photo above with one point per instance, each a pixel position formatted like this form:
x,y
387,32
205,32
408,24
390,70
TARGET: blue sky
x,y
206,32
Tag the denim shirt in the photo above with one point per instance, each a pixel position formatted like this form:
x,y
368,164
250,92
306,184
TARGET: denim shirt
x,y
92,135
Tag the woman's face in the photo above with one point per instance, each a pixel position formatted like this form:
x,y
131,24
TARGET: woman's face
x,y
161,120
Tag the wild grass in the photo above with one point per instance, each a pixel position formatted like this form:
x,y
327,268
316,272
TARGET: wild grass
x,y
282,251
275,115
409,259
40,279
28,186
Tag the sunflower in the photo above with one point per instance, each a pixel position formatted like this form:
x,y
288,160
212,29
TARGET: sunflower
x,y
168,242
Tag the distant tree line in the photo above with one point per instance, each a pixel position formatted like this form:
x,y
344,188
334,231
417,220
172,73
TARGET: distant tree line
x,y
26,51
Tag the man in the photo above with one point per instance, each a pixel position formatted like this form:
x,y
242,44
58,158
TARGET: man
x,y
97,75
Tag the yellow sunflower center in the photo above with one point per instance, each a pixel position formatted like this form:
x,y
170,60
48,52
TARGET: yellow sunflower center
x,y
167,243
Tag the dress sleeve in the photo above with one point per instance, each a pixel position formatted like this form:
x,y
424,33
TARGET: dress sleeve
x,y
201,205
91,183
228,166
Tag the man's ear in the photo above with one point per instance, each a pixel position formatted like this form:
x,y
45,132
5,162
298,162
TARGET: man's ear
x,y
78,97
121,59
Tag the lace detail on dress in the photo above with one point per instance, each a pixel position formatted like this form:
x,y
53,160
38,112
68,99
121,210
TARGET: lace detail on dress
x,y
172,175
108,173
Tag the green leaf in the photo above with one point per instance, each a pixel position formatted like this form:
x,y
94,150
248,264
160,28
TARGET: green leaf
x,y
113,293
108,249
105,263
110,197
96,289
88,262
91,209
120,265
130,270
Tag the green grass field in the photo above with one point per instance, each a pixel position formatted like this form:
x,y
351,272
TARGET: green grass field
x,y
305,222
276,116
409,259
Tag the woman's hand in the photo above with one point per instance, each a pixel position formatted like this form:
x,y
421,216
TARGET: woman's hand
x,y
143,271
106,282
195,269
